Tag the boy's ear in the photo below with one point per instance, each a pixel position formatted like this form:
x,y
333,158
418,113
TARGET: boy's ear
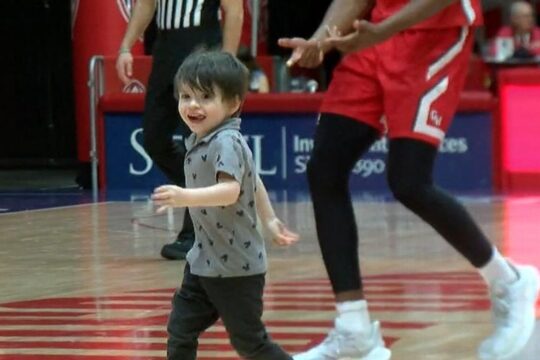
x,y
235,104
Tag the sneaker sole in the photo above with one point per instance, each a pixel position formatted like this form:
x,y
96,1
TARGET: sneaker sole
x,y
529,327
378,353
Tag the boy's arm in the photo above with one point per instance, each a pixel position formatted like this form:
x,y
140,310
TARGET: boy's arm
x,y
224,193
262,201
280,234
233,18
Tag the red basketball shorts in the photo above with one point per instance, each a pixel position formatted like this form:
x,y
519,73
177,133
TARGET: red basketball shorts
x,y
407,86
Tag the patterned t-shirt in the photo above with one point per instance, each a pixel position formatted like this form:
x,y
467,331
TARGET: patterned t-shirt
x,y
227,243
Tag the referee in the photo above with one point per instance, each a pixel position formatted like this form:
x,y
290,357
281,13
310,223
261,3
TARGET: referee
x,y
183,26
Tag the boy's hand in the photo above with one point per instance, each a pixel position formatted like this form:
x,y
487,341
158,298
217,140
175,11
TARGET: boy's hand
x,y
168,196
280,234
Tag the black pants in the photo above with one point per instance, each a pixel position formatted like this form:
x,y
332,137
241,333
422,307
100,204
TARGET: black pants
x,y
339,143
238,301
161,118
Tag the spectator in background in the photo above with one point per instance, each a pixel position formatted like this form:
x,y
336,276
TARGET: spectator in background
x,y
521,39
258,82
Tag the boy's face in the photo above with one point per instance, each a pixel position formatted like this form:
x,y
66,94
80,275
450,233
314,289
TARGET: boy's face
x,y
203,112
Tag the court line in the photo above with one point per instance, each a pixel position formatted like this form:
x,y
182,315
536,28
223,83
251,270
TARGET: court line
x,y
62,207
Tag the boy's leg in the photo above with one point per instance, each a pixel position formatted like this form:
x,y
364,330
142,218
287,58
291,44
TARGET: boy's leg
x,y
191,314
240,305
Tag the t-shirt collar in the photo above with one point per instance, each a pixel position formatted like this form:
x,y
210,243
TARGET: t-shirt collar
x,y
232,123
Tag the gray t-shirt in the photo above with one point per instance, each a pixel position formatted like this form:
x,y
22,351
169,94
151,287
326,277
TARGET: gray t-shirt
x,y
227,243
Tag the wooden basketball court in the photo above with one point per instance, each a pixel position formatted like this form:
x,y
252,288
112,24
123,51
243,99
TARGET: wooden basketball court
x,y
87,281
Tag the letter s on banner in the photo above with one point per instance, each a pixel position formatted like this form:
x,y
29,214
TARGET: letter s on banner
x,y
138,148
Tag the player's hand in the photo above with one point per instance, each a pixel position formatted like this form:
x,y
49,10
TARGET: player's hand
x,y
365,34
124,67
305,53
169,196
280,234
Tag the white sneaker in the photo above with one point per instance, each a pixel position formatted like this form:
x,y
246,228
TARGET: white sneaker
x,y
341,345
514,315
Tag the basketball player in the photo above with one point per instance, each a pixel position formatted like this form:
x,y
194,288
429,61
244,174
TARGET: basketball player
x,y
183,25
409,64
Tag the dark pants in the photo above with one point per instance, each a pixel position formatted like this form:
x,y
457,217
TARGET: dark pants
x,y
238,301
339,143
161,118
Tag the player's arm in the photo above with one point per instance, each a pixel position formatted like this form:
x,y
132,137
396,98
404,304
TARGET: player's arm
x,y
340,15
224,193
278,231
233,18
367,34
142,15
413,13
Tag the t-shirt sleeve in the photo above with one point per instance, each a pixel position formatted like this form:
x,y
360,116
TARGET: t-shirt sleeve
x,y
228,157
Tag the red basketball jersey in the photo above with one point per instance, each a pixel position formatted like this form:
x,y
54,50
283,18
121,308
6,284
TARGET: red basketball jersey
x,y
461,13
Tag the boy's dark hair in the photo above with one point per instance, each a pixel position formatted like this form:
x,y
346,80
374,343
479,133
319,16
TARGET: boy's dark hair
x,y
203,69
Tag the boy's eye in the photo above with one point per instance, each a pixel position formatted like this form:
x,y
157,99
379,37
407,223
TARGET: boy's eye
x,y
184,96
207,96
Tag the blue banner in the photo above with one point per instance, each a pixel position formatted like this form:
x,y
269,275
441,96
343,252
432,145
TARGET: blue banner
x,y
281,146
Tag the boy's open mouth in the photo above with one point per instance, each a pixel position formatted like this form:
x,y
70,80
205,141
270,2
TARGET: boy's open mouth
x,y
196,117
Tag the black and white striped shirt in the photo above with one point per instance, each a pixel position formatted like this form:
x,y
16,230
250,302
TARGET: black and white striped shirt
x,y
181,14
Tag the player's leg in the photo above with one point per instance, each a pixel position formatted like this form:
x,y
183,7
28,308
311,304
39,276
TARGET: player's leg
x,y
348,126
418,117
239,301
410,168
339,143
514,289
191,314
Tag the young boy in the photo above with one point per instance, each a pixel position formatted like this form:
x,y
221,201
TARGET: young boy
x,y
224,276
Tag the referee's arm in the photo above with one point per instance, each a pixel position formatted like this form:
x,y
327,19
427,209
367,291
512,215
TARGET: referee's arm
x,y
232,24
142,15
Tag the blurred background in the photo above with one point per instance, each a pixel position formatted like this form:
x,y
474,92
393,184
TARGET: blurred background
x,y
46,112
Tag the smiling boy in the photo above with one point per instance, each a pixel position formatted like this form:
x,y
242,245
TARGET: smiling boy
x,y
224,276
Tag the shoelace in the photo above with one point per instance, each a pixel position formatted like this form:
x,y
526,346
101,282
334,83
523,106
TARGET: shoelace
x,y
501,306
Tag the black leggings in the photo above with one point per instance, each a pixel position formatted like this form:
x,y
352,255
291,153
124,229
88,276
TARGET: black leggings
x,y
339,143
